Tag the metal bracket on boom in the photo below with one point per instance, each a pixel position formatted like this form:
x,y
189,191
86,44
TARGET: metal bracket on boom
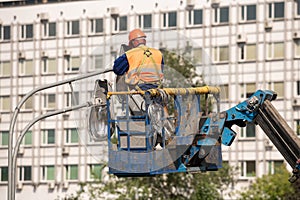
x,y
258,109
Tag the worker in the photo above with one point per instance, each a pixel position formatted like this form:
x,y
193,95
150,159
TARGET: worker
x,y
143,70
142,65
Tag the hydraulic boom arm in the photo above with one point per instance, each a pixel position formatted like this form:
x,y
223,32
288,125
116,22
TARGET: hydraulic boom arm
x,y
258,109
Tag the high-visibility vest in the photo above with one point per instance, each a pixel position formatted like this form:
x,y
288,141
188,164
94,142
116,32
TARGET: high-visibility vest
x,y
145,66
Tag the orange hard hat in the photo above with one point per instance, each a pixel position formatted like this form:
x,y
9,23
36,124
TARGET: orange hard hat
x,y
136,33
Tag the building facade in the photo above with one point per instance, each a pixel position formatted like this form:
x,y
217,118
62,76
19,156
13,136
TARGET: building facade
x,y
251,44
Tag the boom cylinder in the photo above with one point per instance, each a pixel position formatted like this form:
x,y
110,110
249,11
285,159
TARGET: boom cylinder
x,y
279,132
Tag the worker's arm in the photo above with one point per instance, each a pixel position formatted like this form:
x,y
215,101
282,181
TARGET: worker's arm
x,y
121,65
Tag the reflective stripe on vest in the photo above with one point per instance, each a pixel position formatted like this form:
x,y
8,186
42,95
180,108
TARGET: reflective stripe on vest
x,y
143,68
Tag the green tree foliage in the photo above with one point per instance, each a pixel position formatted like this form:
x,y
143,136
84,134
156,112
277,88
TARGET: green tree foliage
x,y
196,186
272,186
179,70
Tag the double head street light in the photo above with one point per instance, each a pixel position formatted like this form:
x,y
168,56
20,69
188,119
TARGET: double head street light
x,y
13,148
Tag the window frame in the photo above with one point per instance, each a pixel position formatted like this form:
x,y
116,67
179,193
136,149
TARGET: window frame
x,y
91,168
273,51
272,86
3,178
46,64
93,26
69,27
68,172
246,132
93,62
3,35
48,98
46,30
68,132
68,64
3,66
69,98
190,19
217,16
271,7
243,52
297,8
244,172
297,127
28,135
297,47
117,24
3,100
141,21
22,170
45,173
45,137
273,164
243,16
165,18
217,54
24,68
2,137
24,34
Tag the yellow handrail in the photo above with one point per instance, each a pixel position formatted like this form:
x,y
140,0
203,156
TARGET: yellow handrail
x,y
172,91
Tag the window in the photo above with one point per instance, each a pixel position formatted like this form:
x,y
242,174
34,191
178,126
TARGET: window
x,y
169,19
69,98
49,65
276,10
25,67
247,89
224,92
123,23
95,171
48,136
4,138
26,31
248,13
5,68
297,7
275,166
96,62
195,17
248,169
120,23
278,87
4,174
71,136
297,126
72,27
221,54
221,15
49,101
49,29
28,105
145,21
4,103
298,87
247,52
25,173
96,26
27,139
297,48
275,50
4,33
72,64
248,131
71,172
197,56
48,173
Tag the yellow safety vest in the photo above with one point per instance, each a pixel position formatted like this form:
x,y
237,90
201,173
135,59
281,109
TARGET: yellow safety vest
x,y
144,66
